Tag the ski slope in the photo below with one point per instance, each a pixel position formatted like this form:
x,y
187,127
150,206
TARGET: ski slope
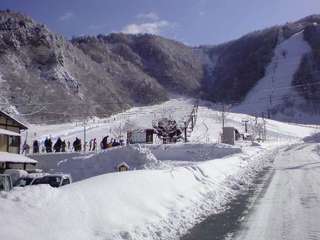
x,y
173,187
275,90
116,125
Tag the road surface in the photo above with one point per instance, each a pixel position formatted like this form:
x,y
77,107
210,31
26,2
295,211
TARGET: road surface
x,y
290,206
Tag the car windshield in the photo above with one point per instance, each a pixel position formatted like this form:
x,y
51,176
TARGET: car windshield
x,y
53,181
23,181
2,183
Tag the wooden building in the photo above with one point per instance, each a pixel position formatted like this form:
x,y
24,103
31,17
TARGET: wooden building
x,y
10,129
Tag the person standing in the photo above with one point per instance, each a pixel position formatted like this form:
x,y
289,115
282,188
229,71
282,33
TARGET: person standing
x,y
57,145
90,144
48,145
63,146
94,144
35,146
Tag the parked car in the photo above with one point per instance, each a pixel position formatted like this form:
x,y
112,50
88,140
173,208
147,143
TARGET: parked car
x,y
54,180
16,174
24,181
5,183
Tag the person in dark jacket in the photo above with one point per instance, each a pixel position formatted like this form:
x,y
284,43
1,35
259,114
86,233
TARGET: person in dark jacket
x,y
63,146
104,143
115,143
57,145
77,145
94,144
35,146
48,145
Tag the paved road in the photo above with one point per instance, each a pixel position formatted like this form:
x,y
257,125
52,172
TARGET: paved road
x,y
290,207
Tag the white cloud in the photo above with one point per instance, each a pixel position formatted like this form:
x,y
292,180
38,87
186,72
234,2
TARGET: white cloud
x,y
147,27
148,16
66,16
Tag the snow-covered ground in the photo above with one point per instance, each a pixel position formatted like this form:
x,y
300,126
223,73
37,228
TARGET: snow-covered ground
x,y
173,188
116,125
290,207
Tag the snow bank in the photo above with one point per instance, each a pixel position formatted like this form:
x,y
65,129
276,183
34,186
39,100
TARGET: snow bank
x,y
144,204
82,166
15,158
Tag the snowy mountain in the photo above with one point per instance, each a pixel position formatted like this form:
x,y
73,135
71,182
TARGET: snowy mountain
x,y
46,78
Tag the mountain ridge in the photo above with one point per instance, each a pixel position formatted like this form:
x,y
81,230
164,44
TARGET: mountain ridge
x,y
46,78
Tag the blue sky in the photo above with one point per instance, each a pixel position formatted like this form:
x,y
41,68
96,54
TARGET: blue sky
x,y
193,22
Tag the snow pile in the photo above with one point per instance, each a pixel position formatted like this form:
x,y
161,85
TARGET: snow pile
x,y
145,204
82,166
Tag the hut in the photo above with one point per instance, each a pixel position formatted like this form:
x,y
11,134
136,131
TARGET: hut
x,y
10,129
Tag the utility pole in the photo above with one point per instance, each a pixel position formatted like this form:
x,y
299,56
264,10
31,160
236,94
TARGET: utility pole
x,y
223,115
264,137
84,136
185,132
245,125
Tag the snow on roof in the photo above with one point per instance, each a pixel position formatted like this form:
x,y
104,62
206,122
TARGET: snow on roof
x,y
23,126
15,158
123,164
7,132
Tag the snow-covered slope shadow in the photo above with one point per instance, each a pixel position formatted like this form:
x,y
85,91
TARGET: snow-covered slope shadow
x,y
274,92
82,166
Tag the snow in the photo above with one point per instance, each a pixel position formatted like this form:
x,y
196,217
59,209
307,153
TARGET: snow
x,y
15,158
168,189
144,204
9,133
290,207
116,125
82,166
276,86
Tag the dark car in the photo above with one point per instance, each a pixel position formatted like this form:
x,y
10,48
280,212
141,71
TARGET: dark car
x,y
56,180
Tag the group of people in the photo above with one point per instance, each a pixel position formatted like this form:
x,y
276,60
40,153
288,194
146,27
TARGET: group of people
x,y
113,143
59,146
63,146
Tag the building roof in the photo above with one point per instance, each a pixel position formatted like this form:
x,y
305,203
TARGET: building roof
x,y
20,124
15,158
123,164
7,132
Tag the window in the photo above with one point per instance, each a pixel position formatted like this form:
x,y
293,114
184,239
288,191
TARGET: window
x,y
53,181
14,141
65,181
